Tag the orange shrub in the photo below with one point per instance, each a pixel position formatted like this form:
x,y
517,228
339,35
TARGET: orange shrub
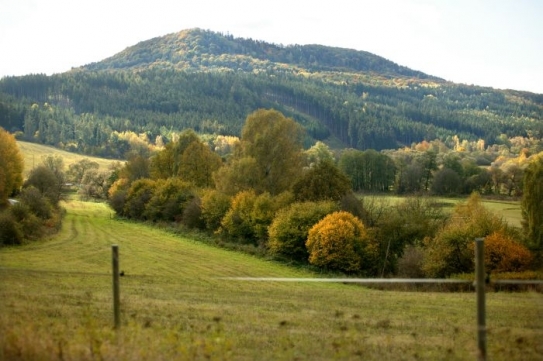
x,y
338,242
504,254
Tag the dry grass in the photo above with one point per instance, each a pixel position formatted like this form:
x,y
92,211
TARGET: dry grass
x,y
56,304
33,154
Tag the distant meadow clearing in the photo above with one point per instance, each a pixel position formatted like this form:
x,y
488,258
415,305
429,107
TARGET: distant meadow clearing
x,y
56,304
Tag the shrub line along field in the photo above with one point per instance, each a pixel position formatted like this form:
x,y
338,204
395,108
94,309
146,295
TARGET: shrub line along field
x,y
56,304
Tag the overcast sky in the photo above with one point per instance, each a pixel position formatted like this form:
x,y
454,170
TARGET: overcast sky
x,y
497,43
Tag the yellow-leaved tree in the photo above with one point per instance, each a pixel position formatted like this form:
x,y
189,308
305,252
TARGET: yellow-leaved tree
x,y
340,242
11,166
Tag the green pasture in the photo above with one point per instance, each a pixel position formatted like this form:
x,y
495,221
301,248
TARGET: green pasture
x,y
508,210
56,304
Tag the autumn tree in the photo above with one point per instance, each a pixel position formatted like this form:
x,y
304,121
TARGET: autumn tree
x,y
136,168
428,162
317,153
532,203
290,227
45,181
214,205
94,184
449,252
407,223
322,182
505,254
56,165
236,224
240,174
77,170
168,162
250,215
137,197
169,199
446,182
275,144
11,166
340,242
198,163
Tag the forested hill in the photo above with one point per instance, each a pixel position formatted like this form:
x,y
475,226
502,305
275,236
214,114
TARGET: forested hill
x,y
198,49
210,82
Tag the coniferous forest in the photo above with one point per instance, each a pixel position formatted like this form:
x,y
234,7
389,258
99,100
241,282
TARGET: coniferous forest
x,y
210,82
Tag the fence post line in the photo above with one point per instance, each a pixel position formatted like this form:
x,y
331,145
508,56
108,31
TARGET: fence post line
x,y
480,288
116,288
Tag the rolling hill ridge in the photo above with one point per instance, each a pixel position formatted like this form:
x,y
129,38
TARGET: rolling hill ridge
x,y
210,82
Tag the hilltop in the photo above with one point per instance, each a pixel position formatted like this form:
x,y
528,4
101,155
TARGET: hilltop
x,y
198,49
210,82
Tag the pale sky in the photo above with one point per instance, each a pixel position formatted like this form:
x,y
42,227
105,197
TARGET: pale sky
x,y
496,43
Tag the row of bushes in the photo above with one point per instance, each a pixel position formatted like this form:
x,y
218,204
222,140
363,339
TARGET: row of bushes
x,y
413,238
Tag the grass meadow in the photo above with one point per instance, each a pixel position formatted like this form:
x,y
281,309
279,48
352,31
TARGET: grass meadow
x,y
33,154
509,210
56,304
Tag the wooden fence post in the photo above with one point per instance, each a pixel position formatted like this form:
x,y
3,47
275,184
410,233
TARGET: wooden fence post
x,y
116,288
480,287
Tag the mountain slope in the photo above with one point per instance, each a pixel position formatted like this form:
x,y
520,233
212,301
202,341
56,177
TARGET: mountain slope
x,y
200,49
210,82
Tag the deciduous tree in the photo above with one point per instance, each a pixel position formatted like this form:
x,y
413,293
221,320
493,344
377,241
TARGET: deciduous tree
x,y
322,182
289,229
11,166
449,252
532,203
198,163
275,142
340,242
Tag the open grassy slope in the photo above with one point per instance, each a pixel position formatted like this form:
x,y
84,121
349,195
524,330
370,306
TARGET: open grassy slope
x,y
56,304
33,154
507,209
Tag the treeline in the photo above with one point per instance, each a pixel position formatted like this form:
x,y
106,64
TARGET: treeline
x,y
272,197
263,193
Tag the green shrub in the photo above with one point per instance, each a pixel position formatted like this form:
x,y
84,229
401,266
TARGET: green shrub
x,y
192,214
10,233
137,197
323,182
289,229
410,263
29,224
249,216
237,224
214,205
168,200
36,202
264,211
117,195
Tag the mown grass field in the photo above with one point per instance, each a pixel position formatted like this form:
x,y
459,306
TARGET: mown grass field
x,y
508,210
56,304
33,156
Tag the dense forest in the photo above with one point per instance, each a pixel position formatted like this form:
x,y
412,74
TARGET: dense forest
x,y
210,82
